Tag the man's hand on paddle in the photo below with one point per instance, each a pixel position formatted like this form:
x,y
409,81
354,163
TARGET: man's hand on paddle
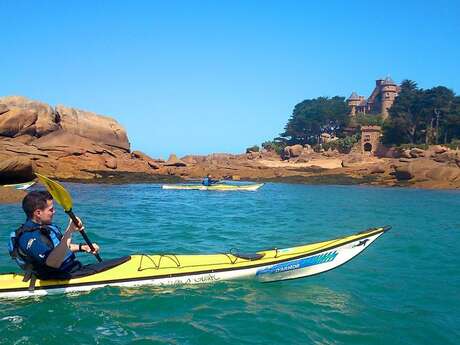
x,y
87,249
71,228
74,228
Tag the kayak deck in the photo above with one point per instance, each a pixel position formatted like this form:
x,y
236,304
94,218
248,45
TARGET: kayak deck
x,y
170,269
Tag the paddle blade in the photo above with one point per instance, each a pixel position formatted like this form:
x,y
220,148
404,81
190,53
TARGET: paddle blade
x,y
59,193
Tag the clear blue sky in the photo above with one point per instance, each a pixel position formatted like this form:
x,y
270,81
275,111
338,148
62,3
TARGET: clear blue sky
x,y
218,76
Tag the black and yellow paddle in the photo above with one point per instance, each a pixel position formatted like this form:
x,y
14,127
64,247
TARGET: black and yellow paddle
x,y
63,198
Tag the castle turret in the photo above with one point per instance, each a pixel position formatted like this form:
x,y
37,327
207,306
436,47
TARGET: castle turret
x,y
388,90
353,101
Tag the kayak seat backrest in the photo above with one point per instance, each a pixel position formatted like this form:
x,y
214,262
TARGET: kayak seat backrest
x,y
248,256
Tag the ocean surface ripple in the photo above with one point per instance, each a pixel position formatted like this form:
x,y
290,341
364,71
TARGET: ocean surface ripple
x,y
403,290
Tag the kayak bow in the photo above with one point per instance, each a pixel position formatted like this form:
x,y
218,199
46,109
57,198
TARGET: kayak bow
x,y
170,269
20,186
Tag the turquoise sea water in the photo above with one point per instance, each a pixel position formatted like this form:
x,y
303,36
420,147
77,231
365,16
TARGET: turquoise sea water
x,y
404,289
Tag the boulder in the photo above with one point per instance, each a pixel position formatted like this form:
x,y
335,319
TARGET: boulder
x,y
3,108
405,154
285,154
47,119
18,147
153,165
17,121
174,161
403,172
253,155
416,153
307,149
330,153
110,162
447,157
295,150
23,139
444,173
352,158
392,152
376,169
189,160
304,158
98,128
16,170
141,155
68,143
438,149
292,151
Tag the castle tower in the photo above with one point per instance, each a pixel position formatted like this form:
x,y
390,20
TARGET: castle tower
x,y
353,101
388,91
380,100
370,139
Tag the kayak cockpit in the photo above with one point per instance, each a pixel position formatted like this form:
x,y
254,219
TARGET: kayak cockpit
x,y
99,267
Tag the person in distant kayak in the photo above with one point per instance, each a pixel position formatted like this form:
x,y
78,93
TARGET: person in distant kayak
x,y
38,246
208,181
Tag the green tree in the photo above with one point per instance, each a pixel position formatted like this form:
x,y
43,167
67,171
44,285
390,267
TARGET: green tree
x,y
437,109
254,148
368,120
312,117
423,116
274,145
451,122
406,123
343,145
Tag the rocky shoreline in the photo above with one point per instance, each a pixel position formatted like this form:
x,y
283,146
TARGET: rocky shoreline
x,y
79,146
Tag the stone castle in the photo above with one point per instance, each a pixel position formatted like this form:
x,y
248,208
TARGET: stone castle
x,y
380,100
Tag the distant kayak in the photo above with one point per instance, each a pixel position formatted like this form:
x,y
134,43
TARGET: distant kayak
x,y
219,187
176,270
21,186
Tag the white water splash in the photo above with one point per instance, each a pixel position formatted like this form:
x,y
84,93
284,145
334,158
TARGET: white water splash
x,y
13,319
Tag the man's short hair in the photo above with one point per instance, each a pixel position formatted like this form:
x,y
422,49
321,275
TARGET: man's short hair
x,y
35,201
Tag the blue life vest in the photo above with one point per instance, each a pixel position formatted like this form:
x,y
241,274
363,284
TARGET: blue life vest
x,y
49,235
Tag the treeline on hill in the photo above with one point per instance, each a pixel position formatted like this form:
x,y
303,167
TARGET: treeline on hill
x,y
417,117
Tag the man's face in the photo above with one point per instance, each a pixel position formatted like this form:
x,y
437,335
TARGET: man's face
x,y
45,216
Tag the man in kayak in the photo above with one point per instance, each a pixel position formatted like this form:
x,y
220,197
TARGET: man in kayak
x,y
39,246
208,181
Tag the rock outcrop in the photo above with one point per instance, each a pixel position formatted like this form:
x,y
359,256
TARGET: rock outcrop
x,y
16,170
292,151
100,129
61,141
403,172
69,143
174,161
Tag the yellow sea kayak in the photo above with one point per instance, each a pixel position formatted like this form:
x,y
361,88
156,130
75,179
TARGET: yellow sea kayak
x,y
219,187
176,270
